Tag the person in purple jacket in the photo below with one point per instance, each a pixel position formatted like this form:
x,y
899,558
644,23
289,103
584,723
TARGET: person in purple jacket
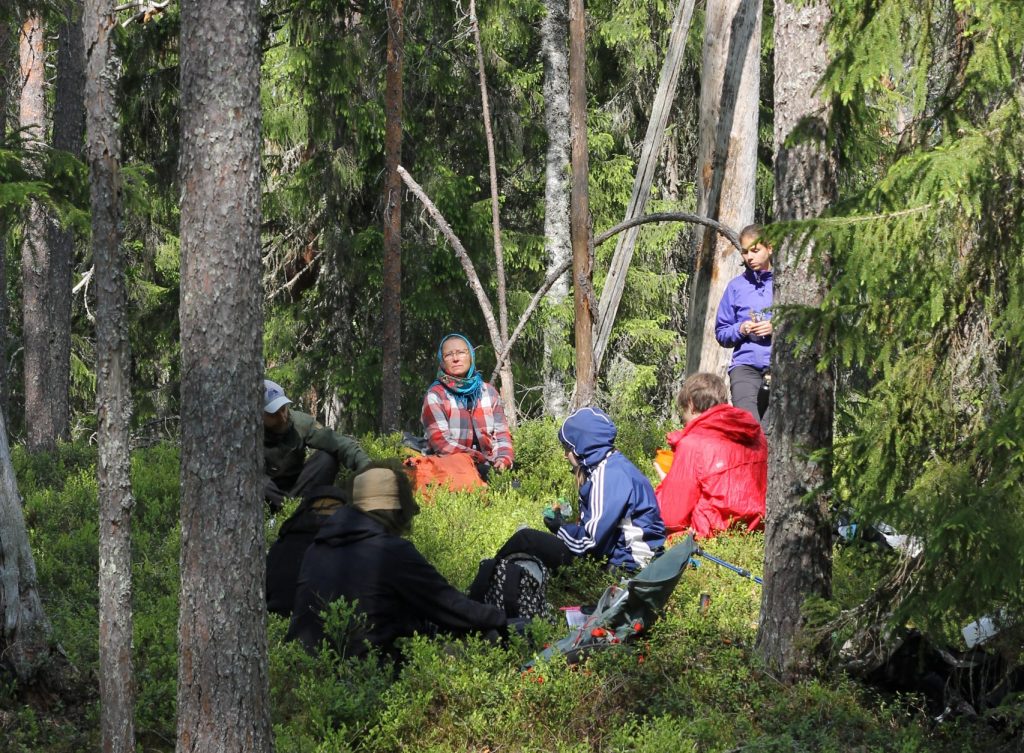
x,y
744,324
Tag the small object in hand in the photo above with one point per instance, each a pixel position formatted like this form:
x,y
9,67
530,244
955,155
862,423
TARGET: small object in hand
x,y
552,519
705,602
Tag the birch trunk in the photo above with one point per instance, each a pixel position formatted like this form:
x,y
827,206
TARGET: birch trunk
x,y
726,165
223,696
557,243
798,537
391,299
579,210
113,389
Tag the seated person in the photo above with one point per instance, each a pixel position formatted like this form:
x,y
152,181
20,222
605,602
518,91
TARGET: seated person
x,y
287,433
462,413
359,554
719,474
293,539
619,519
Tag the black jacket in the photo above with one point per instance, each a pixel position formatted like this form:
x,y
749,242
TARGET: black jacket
x,y
355,557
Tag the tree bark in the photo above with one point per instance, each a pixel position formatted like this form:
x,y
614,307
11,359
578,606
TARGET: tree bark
x,y
68,132
391,298
223,697
508,392
24,629
8,77
615,283
113,389
42,414
726,165
557,242
579,209
798,539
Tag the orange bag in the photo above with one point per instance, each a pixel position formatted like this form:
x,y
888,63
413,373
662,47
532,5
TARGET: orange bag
x,y
455,472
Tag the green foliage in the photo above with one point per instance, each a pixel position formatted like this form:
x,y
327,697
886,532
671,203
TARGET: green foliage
x,y
694,684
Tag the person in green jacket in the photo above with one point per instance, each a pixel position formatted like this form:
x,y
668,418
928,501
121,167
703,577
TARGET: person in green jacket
x,y
287,434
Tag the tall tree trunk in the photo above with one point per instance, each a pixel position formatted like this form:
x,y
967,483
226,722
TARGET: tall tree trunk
x,y
41,409
798,538
24,629
615,283
113,389
726,165
554,32
223,696
391,341
508,391
68,132
579,209
8,78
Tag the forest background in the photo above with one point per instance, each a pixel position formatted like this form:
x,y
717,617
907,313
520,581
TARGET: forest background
x,y
919,250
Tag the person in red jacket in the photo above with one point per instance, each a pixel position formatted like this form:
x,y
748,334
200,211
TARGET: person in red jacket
x,y
719,473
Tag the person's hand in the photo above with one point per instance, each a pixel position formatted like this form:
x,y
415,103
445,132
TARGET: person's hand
x,y
553,520
501,464
761,329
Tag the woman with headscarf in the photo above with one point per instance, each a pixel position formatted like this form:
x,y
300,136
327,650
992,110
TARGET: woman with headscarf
x,y
359,555
464,414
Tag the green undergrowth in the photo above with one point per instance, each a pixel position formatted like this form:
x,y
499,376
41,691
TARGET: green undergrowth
x,y
694,684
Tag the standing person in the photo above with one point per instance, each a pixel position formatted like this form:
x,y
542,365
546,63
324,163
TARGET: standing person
x,y
359,555
744,324
619,518
287,433
464,414
719,473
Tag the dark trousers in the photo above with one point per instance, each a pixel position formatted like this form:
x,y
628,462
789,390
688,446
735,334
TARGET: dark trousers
x,y
546,547
320,469
750,392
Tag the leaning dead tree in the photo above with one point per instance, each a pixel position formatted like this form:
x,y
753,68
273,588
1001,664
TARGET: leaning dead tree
x,y
615,283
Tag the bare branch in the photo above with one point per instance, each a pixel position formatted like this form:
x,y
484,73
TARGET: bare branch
x,y
731,235
460,252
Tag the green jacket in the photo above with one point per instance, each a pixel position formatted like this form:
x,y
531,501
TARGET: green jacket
x,y
285,454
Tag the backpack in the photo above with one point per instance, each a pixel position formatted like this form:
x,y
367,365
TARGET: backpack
x,y
517,583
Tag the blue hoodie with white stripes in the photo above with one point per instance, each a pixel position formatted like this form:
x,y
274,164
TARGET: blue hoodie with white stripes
x,y
619,516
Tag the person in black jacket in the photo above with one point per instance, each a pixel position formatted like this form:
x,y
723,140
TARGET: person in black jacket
x,y
359,555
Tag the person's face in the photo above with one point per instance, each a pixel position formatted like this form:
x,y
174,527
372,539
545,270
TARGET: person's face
x,y
757,255
276,422
456,357
573,460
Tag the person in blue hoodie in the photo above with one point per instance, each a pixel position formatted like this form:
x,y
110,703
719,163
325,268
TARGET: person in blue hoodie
x,y
619,518
744,324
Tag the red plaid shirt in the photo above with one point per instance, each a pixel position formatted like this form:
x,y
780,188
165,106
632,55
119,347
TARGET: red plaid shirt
x,y
449,427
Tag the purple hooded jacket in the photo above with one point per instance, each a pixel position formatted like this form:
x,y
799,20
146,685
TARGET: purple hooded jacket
x,y
747,293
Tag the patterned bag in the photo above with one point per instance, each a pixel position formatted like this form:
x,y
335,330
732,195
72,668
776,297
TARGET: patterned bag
x,y
516,583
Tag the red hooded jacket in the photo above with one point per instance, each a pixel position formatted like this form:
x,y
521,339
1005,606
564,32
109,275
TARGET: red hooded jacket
x,y
719,474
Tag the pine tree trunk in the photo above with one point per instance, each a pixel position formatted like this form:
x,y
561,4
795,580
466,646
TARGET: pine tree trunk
x,y
798,539
41,411
557,243
113,389
24,629
579,209
8,77
391,340
68,132
223,697
726,165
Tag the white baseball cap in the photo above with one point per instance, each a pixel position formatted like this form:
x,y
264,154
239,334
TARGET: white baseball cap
x,y
273,397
